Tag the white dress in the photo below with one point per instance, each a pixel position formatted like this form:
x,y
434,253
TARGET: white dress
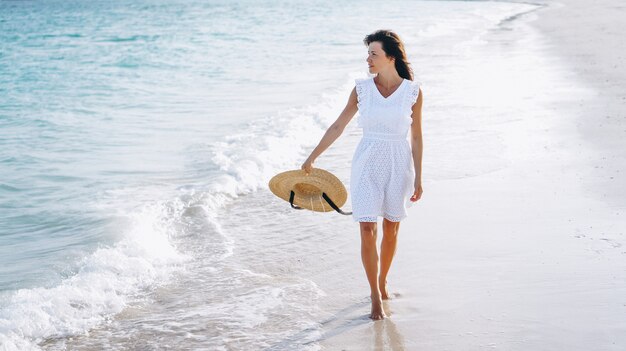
x,y
383,174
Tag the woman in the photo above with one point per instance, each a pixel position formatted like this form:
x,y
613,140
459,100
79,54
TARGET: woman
x,y
386,170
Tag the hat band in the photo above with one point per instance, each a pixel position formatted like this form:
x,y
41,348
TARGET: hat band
x,y
292,195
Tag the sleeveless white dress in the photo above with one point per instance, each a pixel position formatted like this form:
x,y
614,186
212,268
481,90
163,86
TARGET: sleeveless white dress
x,y
383,174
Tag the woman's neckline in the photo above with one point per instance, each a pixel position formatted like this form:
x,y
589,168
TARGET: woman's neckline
x,y
390,95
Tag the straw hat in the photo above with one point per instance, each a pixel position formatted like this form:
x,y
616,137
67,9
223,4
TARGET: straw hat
x,y
318,191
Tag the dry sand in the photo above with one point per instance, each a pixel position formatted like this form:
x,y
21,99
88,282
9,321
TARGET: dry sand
x,y
591,37
532,256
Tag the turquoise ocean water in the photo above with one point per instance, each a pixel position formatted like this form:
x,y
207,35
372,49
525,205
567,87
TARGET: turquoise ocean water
x,y
128,128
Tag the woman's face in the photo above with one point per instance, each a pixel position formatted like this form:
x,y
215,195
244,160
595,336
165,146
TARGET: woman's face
x,y
377,60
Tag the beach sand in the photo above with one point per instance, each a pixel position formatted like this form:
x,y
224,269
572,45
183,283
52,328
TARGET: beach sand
x,y
529,256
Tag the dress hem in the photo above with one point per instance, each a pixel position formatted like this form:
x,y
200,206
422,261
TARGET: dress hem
x,y
369,218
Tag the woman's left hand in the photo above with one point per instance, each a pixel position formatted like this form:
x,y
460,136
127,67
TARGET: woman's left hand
x,y
417,194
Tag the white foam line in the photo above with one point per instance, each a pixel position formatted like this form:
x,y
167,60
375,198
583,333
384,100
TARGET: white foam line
x,y
106,282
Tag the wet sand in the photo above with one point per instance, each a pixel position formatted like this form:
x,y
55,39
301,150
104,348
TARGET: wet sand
x,y
530,256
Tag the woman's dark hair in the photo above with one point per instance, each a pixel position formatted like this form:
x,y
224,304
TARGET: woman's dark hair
x,y
393,47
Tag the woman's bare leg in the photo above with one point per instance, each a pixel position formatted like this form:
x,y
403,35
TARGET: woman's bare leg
x,y
369,256
387,252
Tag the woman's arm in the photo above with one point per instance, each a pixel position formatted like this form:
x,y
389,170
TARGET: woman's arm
x,y
333,132
417,146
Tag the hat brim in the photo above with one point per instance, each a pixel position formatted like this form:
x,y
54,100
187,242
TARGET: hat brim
x,y
308,189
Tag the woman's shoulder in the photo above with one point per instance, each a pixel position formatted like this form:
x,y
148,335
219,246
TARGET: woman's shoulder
x,y
416,84
361,85
414,91
361,81
415,87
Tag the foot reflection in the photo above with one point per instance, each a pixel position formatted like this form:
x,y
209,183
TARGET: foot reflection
x,y
386,334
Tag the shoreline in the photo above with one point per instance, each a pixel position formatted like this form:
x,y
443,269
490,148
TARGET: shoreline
x,y
525,257
518,243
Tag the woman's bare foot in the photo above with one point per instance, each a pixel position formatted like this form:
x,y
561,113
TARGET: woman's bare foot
x,y
377,308
383,290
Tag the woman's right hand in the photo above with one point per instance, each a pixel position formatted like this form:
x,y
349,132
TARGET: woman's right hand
x,y
307,166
